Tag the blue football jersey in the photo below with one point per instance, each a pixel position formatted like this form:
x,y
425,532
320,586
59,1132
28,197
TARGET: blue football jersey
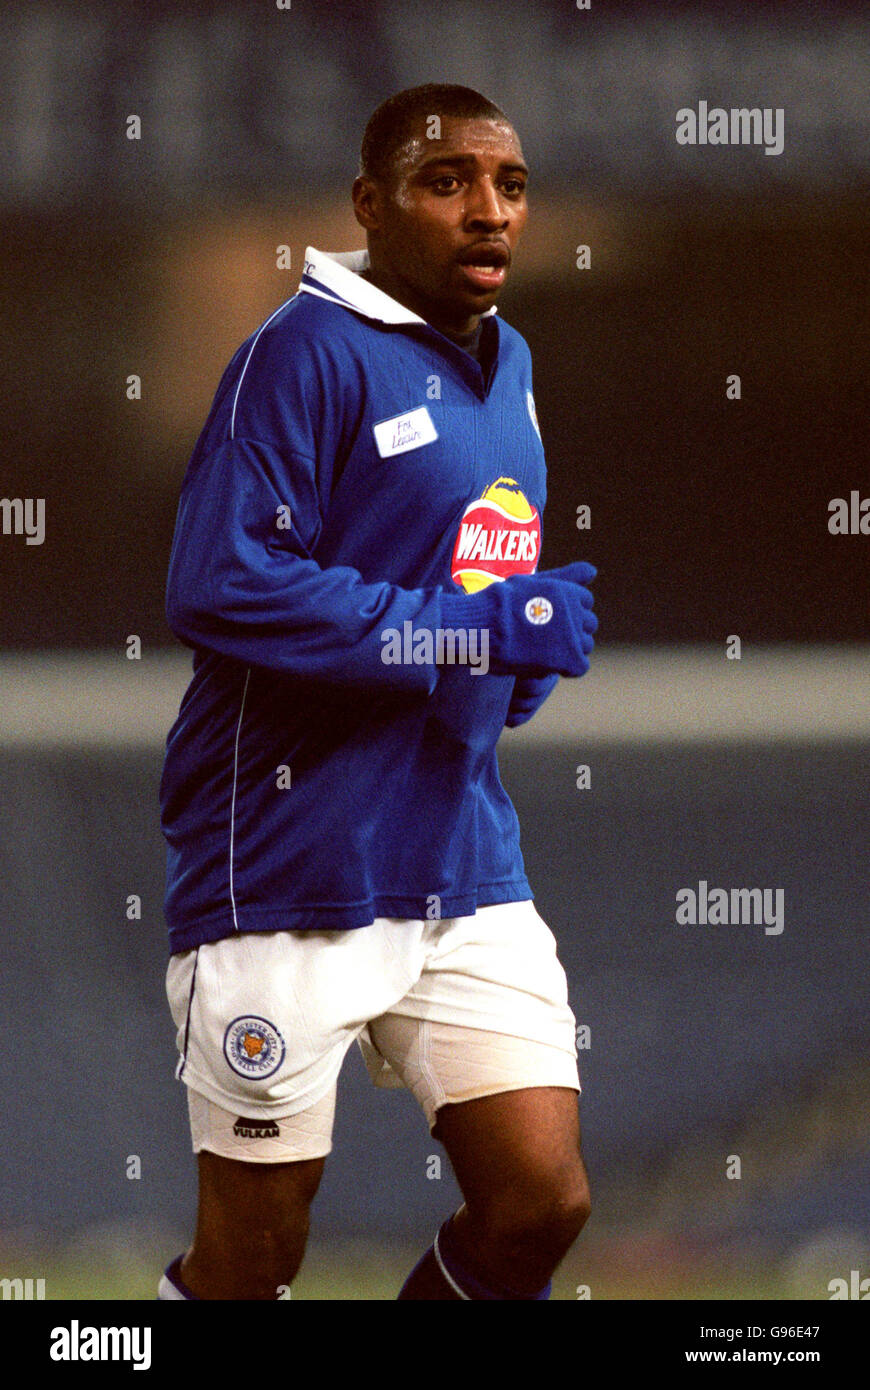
x,y
327,767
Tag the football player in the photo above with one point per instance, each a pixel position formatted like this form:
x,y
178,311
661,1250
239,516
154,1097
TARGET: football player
x,y
355,566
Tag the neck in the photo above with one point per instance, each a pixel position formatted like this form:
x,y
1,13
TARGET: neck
x,y
434,314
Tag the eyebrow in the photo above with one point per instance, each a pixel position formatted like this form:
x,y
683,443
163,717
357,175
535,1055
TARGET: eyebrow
x,y
466,159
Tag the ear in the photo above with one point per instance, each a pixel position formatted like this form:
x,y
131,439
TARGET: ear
x,y
366,202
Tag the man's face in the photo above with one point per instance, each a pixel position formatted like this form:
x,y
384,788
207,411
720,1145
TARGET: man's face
x,y
442,232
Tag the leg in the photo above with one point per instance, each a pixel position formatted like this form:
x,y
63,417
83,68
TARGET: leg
x,y
252,1225
518,1161
263,1019
503,1102
255,1191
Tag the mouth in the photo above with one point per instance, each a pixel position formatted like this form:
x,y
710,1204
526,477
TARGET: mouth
x,y
485,265
485,277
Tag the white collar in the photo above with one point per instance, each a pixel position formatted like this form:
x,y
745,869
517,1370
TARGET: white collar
x,y
336,275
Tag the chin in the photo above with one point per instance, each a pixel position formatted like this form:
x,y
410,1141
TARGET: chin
x,y
479,303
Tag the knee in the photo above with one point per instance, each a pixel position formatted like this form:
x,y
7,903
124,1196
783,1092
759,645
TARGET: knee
x,y
550,1217
252,1226
580,1204
565,1213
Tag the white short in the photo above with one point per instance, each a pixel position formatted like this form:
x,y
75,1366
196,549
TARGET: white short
x,y
452,1010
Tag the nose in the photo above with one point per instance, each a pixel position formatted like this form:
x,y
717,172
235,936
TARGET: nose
x,y
485,208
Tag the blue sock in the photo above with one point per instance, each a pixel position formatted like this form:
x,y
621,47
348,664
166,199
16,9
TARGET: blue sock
x,y
172,1287
441,1275
426,1282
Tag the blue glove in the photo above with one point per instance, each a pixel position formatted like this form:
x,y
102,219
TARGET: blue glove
x,y
537,624
529,694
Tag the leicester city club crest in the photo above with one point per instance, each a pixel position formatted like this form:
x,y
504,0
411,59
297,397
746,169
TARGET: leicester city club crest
x,y
253,1047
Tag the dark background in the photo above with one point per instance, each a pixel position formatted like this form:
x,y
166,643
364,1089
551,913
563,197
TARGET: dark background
x,y
157,257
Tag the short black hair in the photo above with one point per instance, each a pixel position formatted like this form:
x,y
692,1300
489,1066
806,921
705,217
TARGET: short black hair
x,y
398,119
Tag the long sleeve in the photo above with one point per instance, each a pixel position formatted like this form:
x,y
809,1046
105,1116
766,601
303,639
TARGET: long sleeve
x,y
242,581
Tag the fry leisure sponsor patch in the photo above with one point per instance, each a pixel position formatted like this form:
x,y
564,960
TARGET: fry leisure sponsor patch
x,y
403,432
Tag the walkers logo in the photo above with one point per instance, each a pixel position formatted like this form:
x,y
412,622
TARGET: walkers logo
x,y
253,1047
499,535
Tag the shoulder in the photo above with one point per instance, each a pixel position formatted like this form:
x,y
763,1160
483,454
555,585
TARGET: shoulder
x,y
304,363
306,329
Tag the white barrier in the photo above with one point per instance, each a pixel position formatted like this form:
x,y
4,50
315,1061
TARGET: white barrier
x,y
631,695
